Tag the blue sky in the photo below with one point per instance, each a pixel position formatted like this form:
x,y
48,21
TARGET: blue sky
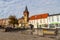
x,y
16,7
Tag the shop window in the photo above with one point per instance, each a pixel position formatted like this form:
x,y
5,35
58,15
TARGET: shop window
x,y
51,26
39,26
44,25
59,25
56,25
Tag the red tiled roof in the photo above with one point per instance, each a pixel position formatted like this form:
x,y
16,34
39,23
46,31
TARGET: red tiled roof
x,y
39,16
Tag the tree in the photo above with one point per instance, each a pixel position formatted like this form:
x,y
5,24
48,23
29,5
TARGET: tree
x,y
13,20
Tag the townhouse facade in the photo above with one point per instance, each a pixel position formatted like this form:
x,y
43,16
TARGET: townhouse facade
x,y
54,21
39,20
45,20
4,22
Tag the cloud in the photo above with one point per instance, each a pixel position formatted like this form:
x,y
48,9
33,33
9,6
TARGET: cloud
x,y
11,8
6,0
16,7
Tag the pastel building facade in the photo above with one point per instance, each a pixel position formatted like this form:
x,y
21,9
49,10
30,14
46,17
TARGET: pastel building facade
x,y
45,20
39,20
54,21
4,22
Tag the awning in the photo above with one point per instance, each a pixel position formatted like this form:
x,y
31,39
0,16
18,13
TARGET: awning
x,y
55,23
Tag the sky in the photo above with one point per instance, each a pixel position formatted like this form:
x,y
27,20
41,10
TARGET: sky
x,y
16,7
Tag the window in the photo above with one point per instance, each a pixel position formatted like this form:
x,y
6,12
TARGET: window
x,y
44,25
51,26
56,25
38,26
52,18
59,25
57,18
40,21
43,20
49,19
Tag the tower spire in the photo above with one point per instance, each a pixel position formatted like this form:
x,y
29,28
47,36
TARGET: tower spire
x,y
26,9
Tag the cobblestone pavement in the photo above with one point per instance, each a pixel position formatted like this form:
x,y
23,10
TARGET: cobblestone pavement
x,y
21,36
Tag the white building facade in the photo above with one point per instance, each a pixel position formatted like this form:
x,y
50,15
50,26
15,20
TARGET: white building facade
x,y
54,21
45,21
39,21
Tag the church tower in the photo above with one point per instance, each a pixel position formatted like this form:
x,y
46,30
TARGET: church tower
x,y
26,16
